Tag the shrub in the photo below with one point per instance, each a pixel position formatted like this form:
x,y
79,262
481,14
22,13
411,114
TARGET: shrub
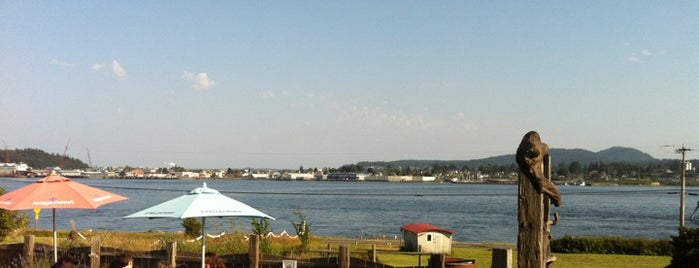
x,y
685,248
303,230
192,227
261,228
11,220
611,245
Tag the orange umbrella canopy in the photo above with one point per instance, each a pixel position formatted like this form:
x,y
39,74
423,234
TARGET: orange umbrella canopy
x,y
58,192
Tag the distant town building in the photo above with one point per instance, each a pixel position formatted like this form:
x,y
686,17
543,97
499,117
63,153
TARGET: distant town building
x,y
299,176
346,177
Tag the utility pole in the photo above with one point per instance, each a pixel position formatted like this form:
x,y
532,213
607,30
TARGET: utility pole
x,y
683,193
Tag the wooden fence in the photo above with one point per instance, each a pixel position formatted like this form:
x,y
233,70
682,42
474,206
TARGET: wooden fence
x,y
30,254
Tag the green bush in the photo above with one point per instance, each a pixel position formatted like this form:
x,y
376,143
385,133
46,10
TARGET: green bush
x,y
261,227
685,248
303,230
612,245
192,227
11,220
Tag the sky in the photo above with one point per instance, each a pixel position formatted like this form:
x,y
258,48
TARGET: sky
x,y
284,84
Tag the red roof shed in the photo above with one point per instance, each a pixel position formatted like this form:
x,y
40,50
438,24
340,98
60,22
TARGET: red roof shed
x,y
421,227
427,238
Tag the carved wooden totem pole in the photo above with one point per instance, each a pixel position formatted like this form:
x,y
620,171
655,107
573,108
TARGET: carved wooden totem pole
x,y
536,192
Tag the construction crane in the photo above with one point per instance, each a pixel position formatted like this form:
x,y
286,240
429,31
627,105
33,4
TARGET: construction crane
x,y
63,158
89,159
7,153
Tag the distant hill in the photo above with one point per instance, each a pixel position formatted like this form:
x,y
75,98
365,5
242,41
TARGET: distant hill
x,y
613,154
38,159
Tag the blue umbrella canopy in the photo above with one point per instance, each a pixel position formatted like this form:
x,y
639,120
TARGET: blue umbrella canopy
x,y
202,202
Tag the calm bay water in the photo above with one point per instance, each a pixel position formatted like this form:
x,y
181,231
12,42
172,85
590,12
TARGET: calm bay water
x,y
476,212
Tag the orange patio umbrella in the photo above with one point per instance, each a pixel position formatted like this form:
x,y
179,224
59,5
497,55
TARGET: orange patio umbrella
x,y
55,192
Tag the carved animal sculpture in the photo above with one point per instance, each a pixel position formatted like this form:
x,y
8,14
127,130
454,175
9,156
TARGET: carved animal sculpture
x,y
530,157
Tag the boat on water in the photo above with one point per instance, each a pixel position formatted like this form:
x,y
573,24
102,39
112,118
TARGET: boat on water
x,y
71,173
577,183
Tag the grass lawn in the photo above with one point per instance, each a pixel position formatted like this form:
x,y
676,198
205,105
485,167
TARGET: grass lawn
x,y
484,256
604,260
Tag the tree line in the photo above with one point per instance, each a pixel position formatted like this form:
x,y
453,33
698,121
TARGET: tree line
x,y
655,170
39,159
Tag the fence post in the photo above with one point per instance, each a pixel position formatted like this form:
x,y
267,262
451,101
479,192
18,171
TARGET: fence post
x,y
436,261
95,252
373,252
28,251
171,250
536,193
344,256
502,258
254,252
328,254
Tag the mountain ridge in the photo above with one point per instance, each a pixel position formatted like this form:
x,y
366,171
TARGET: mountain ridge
x,y
612,154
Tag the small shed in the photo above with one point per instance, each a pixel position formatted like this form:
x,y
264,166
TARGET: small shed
x,y
426,238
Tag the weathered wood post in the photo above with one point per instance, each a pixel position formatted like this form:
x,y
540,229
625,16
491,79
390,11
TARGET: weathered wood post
x,y
536,192
254,252
373,252
328,253
171,251
95,252
344,256
502,258
28,251
436,261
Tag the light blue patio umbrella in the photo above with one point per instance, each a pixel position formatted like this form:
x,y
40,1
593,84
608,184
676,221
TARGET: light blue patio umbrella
x,y
202,202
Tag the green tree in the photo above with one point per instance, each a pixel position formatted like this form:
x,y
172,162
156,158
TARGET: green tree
x,y
261,227
685,248
303,230
192,227
562,170
575,168
11,220
178,169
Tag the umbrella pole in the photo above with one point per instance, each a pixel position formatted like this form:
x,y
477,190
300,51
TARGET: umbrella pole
x,y
55,247
203,242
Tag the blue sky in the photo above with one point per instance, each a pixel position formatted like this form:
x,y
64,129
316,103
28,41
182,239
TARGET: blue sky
x,y
283,84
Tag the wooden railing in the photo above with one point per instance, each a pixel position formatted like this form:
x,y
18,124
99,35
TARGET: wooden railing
x,y
26,254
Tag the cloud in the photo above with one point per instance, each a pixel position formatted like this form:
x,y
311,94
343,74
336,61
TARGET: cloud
x,y
97,66
61,63
270,94
118,70
201,80
639,57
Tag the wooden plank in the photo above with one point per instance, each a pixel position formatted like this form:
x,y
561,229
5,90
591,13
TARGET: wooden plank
x,y
95,252
254,254
28,250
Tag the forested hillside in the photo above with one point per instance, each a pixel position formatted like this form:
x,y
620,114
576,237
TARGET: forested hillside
x,y
38,159
611,155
